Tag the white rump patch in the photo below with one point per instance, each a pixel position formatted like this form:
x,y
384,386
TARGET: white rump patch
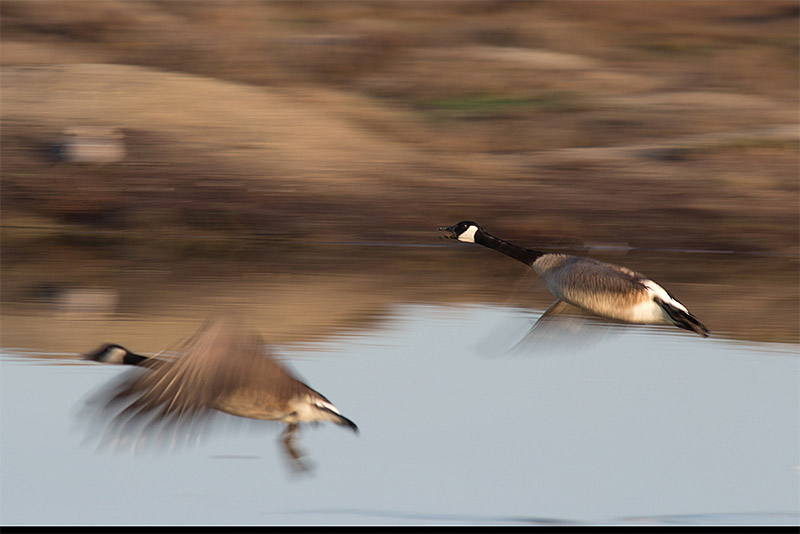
x,y
661,293
327,405
468,235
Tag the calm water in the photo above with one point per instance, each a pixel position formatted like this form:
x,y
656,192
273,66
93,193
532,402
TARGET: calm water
x,y
602,425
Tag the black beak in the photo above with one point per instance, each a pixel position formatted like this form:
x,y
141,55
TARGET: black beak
x,y
450,229
95,354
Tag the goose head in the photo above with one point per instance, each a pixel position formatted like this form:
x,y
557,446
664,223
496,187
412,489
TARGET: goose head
x,y
464,231
108,353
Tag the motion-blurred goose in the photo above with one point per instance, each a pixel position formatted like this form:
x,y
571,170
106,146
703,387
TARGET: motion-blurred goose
x,y
607,290
221,367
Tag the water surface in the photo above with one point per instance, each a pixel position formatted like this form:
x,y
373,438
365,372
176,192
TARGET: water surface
x,y
605,426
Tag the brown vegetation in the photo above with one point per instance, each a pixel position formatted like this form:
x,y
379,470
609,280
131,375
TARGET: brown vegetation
x,y
664,125
652,123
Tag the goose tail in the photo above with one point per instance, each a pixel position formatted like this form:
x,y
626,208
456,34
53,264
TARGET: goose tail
x,y
344,421
332,413
682,318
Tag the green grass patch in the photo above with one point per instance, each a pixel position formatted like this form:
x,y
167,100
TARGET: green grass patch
x,y
488,105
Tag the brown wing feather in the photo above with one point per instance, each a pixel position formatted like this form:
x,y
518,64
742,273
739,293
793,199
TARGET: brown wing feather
x,y
220,360
595,285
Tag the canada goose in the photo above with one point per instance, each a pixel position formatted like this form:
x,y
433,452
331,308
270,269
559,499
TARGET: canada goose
x,y
91,144
607,290
221,367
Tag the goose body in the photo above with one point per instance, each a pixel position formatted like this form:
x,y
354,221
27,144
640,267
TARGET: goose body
x,y
603,289
222,367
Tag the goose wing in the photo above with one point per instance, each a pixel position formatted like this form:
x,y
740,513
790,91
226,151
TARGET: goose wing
x,y
564,327
222,359
596,286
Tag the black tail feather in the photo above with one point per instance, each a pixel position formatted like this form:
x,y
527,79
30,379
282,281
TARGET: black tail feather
x,y
683,319
347,422
340,419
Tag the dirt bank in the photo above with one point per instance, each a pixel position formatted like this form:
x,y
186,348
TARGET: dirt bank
x,y
659,125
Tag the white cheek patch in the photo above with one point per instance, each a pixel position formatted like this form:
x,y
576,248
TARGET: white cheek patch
x,y
661,293
468,235
114,355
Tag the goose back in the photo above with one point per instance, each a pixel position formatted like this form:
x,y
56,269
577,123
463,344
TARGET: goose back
x,y
602,288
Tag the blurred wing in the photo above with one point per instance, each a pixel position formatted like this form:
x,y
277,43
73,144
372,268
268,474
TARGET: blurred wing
x,y
174,399
563,327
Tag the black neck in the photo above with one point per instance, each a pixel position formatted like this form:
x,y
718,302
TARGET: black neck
x,y
134,359
517,252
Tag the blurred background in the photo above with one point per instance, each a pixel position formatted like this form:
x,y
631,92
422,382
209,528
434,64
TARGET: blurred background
x,y
137,136
162,160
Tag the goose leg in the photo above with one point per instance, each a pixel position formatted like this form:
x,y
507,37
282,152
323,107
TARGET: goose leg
x,y
295,454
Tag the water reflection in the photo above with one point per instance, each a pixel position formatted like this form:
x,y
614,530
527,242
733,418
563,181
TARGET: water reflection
x,y
63,295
